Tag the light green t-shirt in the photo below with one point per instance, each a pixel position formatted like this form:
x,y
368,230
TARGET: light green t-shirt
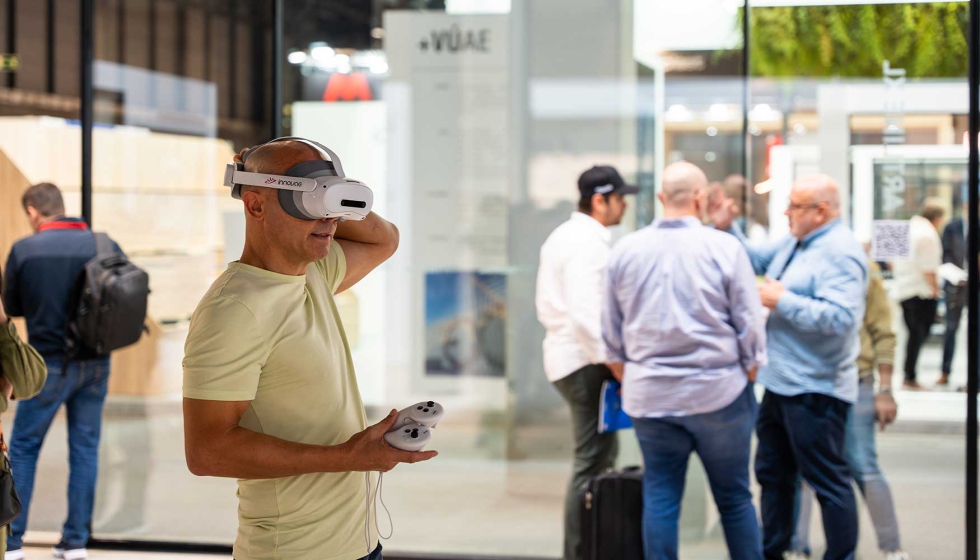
x,y
278,341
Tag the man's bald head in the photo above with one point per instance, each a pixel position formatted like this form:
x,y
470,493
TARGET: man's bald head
x,y
276,158
271,234
681,184
813,202
819,188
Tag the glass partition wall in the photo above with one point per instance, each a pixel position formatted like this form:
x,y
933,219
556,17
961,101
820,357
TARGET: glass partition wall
x,y
471,120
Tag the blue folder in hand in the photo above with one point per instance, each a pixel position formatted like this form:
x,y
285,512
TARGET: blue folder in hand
x,y
611,415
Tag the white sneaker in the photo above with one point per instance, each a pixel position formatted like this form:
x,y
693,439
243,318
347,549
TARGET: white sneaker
x,y
69,554
14,554
897,555
794,555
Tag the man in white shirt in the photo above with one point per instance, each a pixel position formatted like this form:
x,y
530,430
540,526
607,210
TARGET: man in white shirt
x,y
917,284
571,277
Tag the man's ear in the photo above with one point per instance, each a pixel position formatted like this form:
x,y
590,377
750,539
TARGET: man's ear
x,y
700,196
597,200
254,203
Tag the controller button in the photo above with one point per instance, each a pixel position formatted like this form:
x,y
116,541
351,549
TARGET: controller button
x,y
426,410
419,408
407,430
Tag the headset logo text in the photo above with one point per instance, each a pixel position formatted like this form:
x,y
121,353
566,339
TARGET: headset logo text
x,y
283,183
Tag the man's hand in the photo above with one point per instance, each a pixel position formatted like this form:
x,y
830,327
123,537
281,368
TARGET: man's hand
x,y
722,211
216,445
771,292
886,410
368,451
3,314
752,372
6,387
617,369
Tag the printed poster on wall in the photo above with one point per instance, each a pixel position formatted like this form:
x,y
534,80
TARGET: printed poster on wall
x,y
456,72
465,324
449,98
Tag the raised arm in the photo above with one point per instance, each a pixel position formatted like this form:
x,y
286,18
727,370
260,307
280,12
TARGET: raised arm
x,y
366,244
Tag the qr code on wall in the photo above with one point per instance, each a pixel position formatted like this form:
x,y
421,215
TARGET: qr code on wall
x,y
890,240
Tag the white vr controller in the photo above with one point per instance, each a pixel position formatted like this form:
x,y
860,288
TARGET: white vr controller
x,y
412,430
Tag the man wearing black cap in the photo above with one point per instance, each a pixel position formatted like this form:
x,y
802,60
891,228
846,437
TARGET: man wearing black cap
x,y
570,281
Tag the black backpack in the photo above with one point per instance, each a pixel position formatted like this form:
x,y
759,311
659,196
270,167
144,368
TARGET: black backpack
x,y
109,306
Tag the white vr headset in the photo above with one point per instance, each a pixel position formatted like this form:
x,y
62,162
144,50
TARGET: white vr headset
x,y
312,190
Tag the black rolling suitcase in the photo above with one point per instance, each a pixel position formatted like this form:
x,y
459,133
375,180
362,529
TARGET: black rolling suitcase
x,y
612,516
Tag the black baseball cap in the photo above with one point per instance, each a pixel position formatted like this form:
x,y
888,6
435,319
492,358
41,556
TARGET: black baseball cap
x,y
603,179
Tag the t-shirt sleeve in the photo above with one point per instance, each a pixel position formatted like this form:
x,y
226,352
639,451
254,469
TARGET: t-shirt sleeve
x,y
333,267
224,353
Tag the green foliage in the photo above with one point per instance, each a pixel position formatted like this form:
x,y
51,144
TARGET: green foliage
x,y
928,40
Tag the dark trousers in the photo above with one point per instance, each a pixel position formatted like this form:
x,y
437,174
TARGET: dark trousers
x,y
594,452
804,436
919,314
955,302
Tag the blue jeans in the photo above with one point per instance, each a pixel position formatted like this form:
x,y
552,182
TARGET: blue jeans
x,y
82,389
862,456
804,436
722,439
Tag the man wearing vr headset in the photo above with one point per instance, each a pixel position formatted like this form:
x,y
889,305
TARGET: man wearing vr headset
x,y
270,396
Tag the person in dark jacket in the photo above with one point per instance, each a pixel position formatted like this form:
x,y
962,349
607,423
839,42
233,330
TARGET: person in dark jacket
x,y
41,275
954,251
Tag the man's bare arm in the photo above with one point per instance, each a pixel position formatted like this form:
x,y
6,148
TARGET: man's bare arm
x,y
215,445
366,244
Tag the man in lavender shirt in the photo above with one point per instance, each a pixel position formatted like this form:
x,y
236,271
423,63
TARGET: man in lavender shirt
x,y
682,312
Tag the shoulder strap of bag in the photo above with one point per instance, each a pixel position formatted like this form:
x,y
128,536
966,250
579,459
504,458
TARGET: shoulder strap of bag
x,y
103,247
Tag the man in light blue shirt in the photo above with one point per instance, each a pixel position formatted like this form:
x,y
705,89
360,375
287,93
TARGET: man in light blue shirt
x,y
682,312
815,287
